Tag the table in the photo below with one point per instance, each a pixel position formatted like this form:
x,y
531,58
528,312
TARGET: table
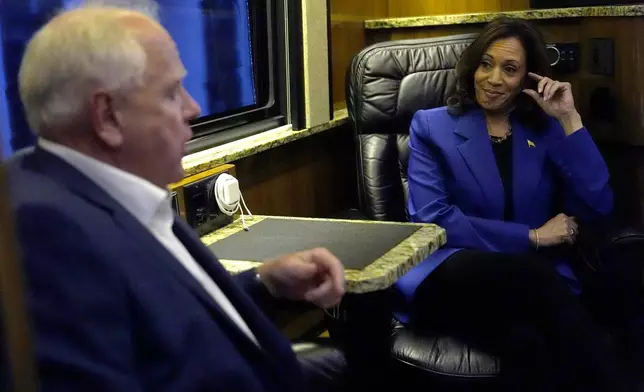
x,y
377,275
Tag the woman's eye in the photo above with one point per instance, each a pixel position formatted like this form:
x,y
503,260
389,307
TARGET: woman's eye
x,y
510,70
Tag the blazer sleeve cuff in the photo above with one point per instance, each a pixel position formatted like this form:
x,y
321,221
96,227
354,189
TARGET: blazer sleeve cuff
x,y
520,235
248,281
575,150
576,154
494,236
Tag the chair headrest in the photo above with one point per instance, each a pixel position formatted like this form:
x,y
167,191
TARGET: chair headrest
x,y
388,82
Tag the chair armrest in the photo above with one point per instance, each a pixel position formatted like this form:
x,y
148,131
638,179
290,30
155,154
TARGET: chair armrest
x,y
625,236
615,251
622,248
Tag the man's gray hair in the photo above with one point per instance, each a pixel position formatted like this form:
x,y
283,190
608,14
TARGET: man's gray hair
x,y
80,50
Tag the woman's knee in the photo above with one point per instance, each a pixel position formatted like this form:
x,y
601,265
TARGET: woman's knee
x,y
499,268
476,282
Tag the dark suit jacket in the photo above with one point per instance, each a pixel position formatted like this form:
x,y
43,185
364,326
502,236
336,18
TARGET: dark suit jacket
x,y
454,182
114,311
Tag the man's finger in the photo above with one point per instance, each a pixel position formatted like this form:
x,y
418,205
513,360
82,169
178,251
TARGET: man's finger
x,y
323,295
326,261
304,267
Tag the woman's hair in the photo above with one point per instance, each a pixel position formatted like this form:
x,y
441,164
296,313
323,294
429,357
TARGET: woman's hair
x,y
526,109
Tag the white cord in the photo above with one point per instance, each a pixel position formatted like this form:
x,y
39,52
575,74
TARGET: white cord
x,y
230,208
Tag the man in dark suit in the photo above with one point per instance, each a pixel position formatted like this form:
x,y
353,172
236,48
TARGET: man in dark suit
x,y
124,296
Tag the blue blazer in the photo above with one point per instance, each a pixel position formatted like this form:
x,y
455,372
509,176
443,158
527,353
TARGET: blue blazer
x,y
114,311
454,182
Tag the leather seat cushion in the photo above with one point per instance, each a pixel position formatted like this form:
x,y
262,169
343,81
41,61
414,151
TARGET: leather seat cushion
x,y
323,364
441,355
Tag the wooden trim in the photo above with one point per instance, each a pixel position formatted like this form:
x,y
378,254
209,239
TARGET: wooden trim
x,y
17,330
227,168
317,105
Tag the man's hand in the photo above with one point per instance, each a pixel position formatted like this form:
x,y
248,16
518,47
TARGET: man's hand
x,y
315,276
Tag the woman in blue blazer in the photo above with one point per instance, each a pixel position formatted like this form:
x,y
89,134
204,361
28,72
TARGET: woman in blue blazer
x,y
508,169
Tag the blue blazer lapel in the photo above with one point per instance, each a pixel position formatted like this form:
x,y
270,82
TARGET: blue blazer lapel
x,y
202,255
267,334
210,264
528,164
477,152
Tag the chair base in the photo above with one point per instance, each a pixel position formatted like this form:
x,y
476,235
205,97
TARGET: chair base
x,y
392,356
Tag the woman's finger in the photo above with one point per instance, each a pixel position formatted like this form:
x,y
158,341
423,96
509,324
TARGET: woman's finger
x,y
573,224
551,89
535,76
574,230
542,84
546,89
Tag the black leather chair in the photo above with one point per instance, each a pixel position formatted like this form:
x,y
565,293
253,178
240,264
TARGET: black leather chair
x,y
386,84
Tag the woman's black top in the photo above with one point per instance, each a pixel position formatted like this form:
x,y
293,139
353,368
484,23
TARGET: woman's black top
x,y
503,154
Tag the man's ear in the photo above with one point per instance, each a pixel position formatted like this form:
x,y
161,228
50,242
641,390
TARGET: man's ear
x,y
105,119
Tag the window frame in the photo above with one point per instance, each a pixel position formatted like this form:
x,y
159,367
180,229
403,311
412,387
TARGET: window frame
x,y
282,50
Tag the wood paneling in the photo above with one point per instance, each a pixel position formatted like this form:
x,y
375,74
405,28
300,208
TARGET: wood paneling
x,y
364,9
402,8
348,37
397,34
312,177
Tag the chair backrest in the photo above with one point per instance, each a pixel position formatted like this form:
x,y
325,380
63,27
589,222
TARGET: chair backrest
x,y
386,84
17,365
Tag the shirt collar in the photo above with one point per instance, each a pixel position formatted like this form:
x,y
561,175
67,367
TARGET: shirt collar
x,y
144,200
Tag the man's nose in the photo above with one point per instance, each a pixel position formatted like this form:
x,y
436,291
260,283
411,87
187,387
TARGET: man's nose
x,y
191,108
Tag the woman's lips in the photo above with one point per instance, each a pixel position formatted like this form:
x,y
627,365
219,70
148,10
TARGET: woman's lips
x,y
492,94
